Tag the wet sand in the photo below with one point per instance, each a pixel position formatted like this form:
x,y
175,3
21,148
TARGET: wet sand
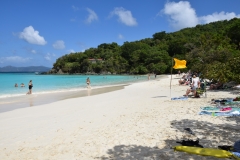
x,y
12,103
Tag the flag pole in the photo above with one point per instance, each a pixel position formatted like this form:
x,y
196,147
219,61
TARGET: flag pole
x,y
171,80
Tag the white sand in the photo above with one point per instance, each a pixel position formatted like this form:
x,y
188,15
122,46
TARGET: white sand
x,y
138,122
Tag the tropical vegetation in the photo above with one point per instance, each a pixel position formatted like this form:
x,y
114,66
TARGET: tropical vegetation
x,y
212,49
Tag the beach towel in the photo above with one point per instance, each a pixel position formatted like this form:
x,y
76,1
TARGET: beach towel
x,y
179,98
221,113
205,151
209,108
226,109
236,155
213,108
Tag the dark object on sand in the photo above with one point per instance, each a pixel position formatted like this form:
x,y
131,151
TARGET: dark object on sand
x,y
226,148
189,131
236,147
190,143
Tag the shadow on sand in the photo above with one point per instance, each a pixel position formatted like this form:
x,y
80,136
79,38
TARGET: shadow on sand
x,y
231,91
159,96
210,136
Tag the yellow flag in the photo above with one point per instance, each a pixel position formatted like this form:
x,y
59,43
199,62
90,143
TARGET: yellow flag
x,y
179,64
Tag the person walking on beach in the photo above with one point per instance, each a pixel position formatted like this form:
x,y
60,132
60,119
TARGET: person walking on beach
x,y
30,85
88,82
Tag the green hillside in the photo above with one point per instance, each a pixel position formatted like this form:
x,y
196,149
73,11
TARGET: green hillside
x,y
212,49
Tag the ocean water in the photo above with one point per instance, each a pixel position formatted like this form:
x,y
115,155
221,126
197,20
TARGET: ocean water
x,y
58,83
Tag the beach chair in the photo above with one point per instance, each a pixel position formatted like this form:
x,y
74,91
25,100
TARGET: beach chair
x,y
202,90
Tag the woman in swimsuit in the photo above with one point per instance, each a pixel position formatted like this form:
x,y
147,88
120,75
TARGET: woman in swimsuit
x,y
30,85
88,83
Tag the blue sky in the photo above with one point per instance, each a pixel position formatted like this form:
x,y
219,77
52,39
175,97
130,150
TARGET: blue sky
x,y
37,32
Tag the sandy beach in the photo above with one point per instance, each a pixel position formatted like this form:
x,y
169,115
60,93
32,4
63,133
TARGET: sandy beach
x,y
138,121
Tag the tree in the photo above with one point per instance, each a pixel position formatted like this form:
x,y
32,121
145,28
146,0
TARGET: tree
x,y
85,66
213,49
210,48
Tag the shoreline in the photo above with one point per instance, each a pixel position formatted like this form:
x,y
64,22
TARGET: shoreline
x,y
21,91
11,103
35,99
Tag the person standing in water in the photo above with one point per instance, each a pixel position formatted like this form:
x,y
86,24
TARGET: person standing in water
x,y
88,82
30,85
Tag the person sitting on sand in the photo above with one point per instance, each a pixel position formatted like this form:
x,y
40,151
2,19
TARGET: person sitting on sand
x,y
182,81
195,84
215,86
22,85
16,85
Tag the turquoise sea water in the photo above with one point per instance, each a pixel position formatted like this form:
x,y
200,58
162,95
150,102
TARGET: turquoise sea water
x,y
58,83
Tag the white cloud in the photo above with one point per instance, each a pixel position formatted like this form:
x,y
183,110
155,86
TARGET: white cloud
x,y
59,44
182,15
91,16
75,8
49,56
120,36
218,16
71,51
33,51
32,36
14,59
124,16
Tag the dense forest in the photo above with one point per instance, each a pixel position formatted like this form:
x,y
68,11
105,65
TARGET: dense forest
x,y
212,49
